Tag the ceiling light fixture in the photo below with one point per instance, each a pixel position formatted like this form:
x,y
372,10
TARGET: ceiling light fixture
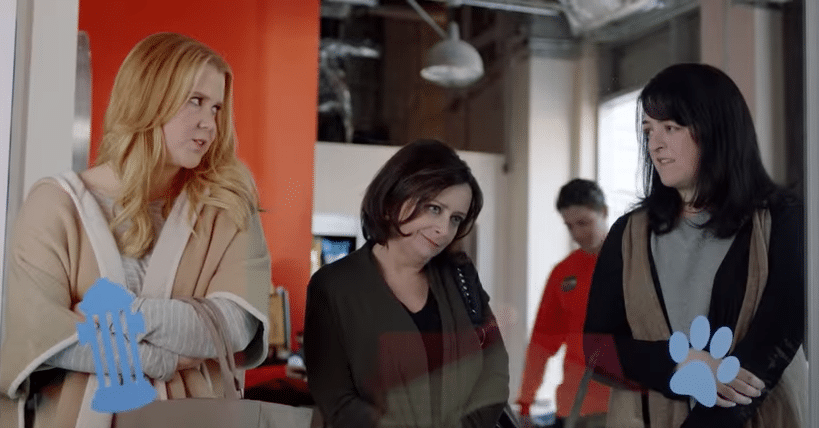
x,y
451,63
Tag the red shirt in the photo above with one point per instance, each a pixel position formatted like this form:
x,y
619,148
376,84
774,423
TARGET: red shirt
x,y
560,320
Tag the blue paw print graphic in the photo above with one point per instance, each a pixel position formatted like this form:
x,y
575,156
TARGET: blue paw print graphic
x,y
695,378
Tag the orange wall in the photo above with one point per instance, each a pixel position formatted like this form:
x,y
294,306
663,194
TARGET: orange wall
x,y
272,47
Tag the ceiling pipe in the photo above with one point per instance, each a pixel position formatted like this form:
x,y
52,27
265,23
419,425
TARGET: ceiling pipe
x,y
427,18
520,6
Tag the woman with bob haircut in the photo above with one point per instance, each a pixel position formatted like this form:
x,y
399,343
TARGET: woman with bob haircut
x,y
168,211
399,333
713,239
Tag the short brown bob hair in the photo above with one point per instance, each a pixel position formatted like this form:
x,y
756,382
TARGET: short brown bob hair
x,y
418,172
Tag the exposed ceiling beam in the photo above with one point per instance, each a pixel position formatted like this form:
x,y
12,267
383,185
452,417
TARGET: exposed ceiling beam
x,y
406,13
370,3
533,7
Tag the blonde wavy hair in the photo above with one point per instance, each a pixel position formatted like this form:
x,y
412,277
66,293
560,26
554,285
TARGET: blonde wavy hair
x,y
153,82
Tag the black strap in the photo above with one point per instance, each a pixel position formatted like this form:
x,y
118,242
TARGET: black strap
x,y
469,287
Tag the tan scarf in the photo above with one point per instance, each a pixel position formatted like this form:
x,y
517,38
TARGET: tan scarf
x,y
782,407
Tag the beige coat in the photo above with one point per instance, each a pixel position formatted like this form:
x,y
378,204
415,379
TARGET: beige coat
x,y
52,262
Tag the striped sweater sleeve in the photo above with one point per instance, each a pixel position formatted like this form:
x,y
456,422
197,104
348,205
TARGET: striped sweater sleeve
x,y
172,328
174,325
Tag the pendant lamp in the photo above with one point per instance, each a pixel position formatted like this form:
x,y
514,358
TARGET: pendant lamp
x,y
452,62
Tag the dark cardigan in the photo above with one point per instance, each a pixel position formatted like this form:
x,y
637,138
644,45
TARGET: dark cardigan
x,y
776,332
361,345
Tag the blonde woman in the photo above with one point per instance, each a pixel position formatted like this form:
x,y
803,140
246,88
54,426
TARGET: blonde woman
x,y
168,211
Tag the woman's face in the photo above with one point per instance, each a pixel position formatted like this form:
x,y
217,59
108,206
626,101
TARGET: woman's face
x,y
189,134
675,154
436,225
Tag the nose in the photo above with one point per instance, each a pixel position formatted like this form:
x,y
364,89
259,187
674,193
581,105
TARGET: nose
x,y
655,141
442,226
207,121
576,234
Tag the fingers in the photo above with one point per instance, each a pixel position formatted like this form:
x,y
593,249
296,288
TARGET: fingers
x,y
751,380
727,392
741,387
722,402
741,390
188,363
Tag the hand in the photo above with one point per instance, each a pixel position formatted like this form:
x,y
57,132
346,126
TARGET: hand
x,y
522,412
739,391
295,372
527,422
188,362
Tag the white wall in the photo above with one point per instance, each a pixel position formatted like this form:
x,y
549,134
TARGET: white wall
x,y
584,147
542,155
42,35
553,147
550,149
52,76
513,321
8,15
743,42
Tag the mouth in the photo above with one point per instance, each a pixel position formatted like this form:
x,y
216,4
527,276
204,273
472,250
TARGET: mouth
x,y
200,143
431,242
663,161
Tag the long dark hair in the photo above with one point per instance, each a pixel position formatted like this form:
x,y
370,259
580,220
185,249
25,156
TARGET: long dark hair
x,y
731,180
417,172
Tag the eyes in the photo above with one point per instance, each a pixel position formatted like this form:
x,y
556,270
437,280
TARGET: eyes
x,y
670,127
198,101
435,209
579,223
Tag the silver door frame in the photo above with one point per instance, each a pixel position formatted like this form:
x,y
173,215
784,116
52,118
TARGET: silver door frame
x,y
812,203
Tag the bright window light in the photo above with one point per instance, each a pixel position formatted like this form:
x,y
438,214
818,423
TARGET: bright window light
x,y
618,154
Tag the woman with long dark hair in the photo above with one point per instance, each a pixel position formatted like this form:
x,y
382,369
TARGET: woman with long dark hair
x,y
714,243
399,333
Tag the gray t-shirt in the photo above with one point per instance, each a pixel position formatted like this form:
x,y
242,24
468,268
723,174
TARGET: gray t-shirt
x,y
687,259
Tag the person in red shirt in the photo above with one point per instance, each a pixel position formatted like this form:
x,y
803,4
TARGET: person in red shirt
x,y
562,310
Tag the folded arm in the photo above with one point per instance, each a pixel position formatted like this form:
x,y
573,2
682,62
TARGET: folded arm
x,y
328,370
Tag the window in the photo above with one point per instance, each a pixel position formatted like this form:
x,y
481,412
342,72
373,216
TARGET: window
x,y
618,153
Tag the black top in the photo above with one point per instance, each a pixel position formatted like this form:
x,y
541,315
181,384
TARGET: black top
x,y
775,334
428,321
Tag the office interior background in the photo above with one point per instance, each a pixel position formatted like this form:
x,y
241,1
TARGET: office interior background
x,y
327,90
